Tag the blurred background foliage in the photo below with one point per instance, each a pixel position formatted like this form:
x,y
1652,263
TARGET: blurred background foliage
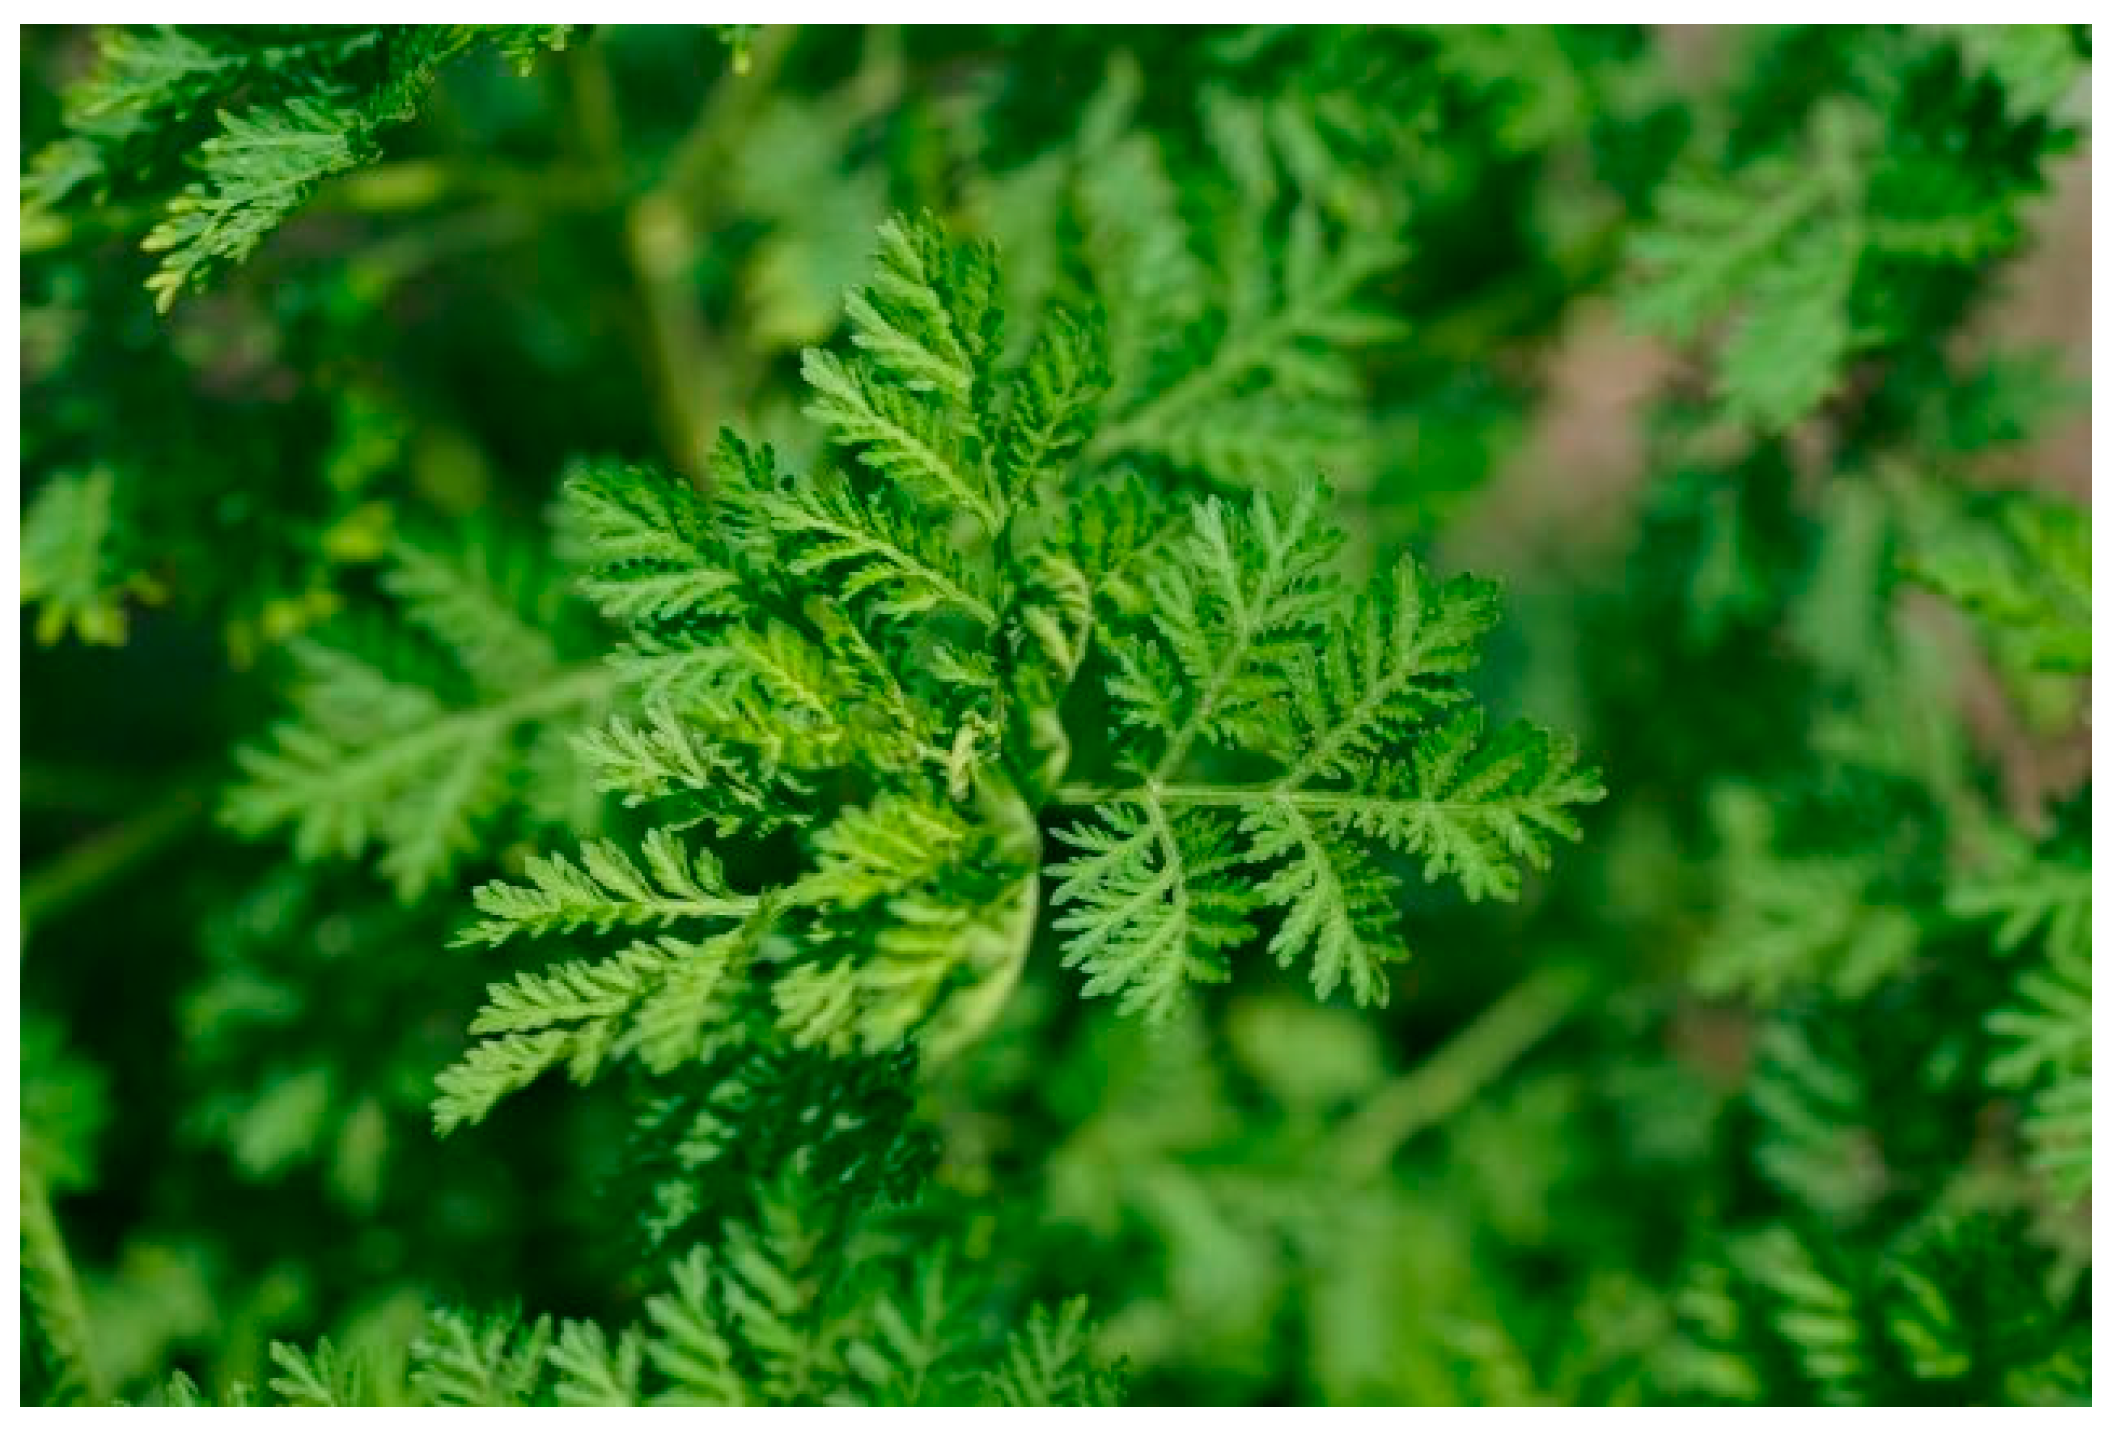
x,y
1750,360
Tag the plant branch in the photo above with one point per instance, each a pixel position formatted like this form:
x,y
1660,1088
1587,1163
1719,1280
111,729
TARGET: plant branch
x,y
395,186
53,1293
104,858
1238,796
658,240
1464,1067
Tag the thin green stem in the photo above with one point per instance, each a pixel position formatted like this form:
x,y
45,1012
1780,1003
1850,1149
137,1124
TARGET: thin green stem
x,y
1182,741
689,376
695,170
1315,801
383,266
1365,708
656,244
396,186
408,185
1465,1067
101,860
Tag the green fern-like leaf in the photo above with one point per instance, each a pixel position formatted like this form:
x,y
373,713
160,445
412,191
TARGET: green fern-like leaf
x,y
796,1307
1820,248
264,164
72,569
1152,905
688,1346
1791,923
591,1372
321,1379
385,748
875,657
2021,565
1230,354
1793,1317
1358,758
666,1000
1773,252
468,1360
244,129
2045,1039
607,889
1048,1363
911,404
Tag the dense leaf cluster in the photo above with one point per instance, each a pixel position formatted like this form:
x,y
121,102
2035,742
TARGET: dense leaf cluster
x,y
766,716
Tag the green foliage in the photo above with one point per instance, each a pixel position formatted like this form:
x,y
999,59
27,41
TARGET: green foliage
x,y
792,1311
413,735
1824,920
1826,238
261,119
802,797
297,1059
1048,1364
68,566
64,1107
1232,343
1353,747
1915,1323
2020,565
1785,240
922,691
2039,902
260,167
2046,1051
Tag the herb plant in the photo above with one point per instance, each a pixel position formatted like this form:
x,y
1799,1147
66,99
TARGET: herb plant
x,y
766,717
